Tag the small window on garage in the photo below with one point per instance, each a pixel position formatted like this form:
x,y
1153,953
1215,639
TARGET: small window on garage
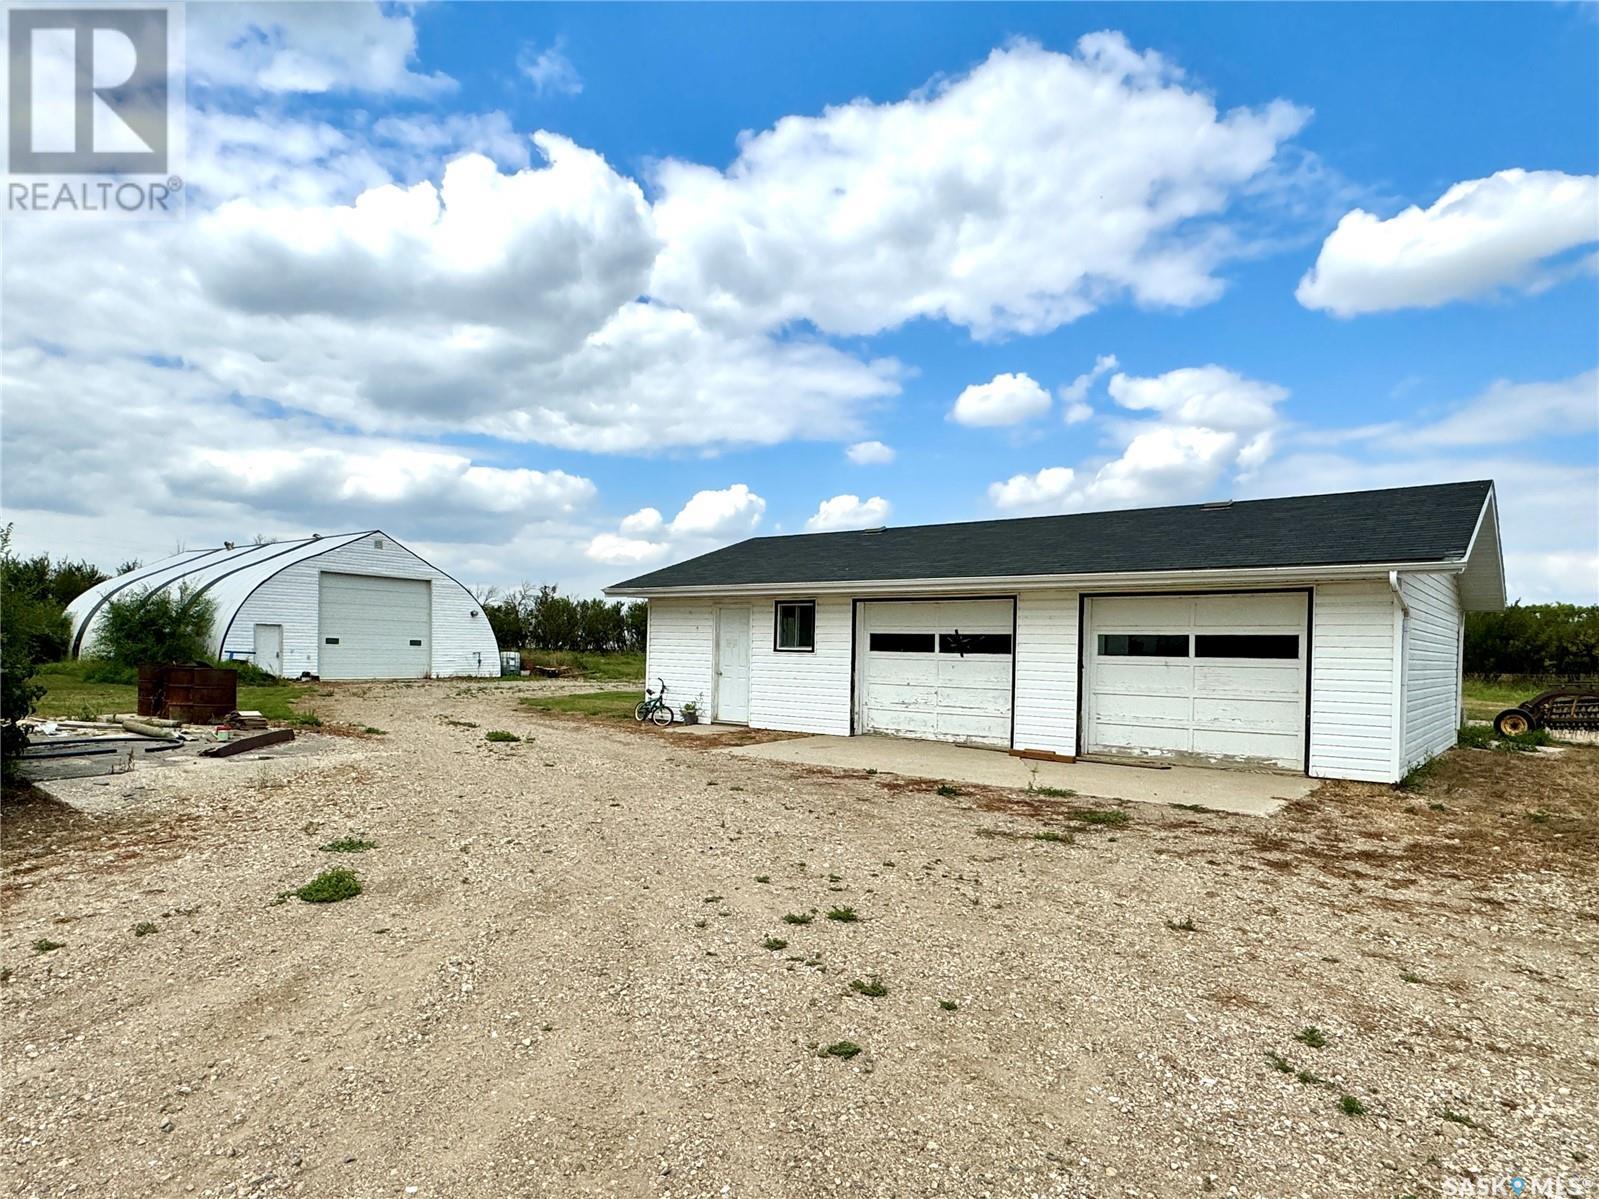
x,y
1246,645
973,643
901,643
796,626
1143,645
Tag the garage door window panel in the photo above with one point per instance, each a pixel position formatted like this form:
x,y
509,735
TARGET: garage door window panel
x,y
1247,645
1143,645
796,627
901,643
963,644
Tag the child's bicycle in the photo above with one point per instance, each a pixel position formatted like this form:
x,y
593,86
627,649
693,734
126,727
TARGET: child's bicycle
x,y
653,707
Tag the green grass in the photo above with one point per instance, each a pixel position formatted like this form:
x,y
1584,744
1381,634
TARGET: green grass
x,y
797,918
1350,1106
1058,838
872,988
1312,1036
607,667
349,845
602,705
1485,699
72,692
144,928
845,915
500,735
331,886
46,945
774,944
843,1049
1051,792
1279,1063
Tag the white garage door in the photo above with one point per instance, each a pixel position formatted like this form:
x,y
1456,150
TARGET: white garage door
x,y
374,628
937,669
1203,677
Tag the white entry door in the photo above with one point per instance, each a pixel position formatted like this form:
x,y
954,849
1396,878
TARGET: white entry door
x,y
938,670
1209,678
732,666
269,648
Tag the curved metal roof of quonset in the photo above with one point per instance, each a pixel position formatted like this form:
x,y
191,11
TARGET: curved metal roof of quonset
x,y
227,574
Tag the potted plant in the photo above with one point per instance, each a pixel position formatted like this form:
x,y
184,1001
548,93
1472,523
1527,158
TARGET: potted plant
x,y
691,713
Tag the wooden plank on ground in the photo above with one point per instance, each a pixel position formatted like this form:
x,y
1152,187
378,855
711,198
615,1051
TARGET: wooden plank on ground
x,y
245,744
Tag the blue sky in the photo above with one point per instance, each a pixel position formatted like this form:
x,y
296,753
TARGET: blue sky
x,y
767,233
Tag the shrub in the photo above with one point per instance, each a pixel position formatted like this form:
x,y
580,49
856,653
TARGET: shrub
x,y
500,735
1312,1036
331,886
845,915
157,626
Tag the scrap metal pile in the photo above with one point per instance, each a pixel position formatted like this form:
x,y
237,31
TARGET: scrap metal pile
x,y
58,749
1560,709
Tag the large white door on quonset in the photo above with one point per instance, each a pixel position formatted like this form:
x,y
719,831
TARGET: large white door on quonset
x,y
939,670
373,627
1207,678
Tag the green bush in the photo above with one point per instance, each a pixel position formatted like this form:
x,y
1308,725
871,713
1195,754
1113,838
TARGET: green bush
x,y
156,626
331,886
1534,640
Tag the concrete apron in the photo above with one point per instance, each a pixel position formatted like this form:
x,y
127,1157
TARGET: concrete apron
x,y
1247,793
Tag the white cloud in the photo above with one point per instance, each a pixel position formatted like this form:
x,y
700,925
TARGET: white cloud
x,y
870,453
1480,236
709,518
1074,395
849,512
549,70
1509,412
1210,424
1006,399
1048,488
307,48
1015,198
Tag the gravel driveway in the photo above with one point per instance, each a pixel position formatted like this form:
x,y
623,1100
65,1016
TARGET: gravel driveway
x,y
555,981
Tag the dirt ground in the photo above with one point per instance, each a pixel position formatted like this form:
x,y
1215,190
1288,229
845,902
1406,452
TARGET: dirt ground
x,y
554,982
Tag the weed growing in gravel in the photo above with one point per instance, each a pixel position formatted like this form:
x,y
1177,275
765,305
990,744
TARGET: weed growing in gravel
x,y
763,878
461,724
46,945
948,789
774,944
843,1049
331,886
1417,778
349,845
1350,1106
1185,925
1538,817
1279,1063
1312,1036
500,735
797,918
1436,807
701,923
1475,736
1191,807
949,1005
1410,976
375,732
144,928
5,974
712,899
1057,838
844,915
1527,742
1457,1118
1109,817
309,720
1310,1079
1051,792
872,988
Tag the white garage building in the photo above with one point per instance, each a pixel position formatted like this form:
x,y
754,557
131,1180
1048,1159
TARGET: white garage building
x,y
1318,634
347,606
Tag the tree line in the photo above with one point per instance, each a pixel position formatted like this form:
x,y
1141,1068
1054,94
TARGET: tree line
x,y
540,617
1560,640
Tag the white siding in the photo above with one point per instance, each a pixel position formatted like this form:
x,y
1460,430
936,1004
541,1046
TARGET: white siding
x,y
679,651
462,643
1431,666
801,693
1354,683
1046,672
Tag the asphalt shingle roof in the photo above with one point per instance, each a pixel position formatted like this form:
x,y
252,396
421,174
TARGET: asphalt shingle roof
x,y
1403,524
